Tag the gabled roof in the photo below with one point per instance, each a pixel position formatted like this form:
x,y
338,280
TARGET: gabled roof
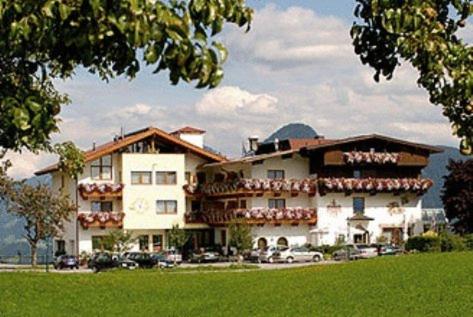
x,y
188,130
134,137
429,148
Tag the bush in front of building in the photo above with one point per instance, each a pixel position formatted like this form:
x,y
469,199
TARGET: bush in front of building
x,y
451,242
423,244
469,241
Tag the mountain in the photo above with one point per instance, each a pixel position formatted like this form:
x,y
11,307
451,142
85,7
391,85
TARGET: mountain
x,y
12,231
292,131
436,169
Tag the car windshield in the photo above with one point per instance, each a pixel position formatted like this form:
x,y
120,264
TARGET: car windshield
x,y
362,246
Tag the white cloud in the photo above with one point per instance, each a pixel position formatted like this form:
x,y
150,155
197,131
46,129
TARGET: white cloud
x,y
230,101
293,37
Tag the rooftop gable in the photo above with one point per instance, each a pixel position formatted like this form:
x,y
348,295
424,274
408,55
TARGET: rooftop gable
x,y
137,136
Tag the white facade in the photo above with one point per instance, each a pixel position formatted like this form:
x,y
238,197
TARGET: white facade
x,y
388,215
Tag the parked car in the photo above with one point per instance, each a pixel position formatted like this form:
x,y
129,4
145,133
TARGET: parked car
x,y
350,252
388,250
103,260
206,255
143,259
66,261
267,254
253,255
173,256
161,260
367,251
297,254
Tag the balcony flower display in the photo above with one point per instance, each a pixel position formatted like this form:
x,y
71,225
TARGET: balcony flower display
x,y
258,214
255,185
358,157
374,185
99,189
102,218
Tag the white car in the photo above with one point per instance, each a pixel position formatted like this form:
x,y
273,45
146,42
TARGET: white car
x,y
267,254
298,254
367,251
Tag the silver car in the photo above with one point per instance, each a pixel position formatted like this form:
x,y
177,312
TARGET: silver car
x,y
298,254
267,254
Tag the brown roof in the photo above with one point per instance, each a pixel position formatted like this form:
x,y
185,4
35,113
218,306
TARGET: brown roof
x,y
188,129
430,148
136,136
300,143
254,158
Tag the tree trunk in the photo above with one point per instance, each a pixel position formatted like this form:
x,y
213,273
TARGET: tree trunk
x,y
34,260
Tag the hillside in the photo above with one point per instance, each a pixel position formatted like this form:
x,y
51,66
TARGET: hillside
x,y
292,131
436,169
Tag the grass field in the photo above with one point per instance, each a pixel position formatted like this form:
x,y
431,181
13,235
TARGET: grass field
x,y
417,285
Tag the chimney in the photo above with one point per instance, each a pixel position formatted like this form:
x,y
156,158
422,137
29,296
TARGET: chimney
x,y
253,142
93,146
191,135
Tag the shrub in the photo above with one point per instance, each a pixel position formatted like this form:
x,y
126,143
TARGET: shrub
x,y
423,244
469,241
451,242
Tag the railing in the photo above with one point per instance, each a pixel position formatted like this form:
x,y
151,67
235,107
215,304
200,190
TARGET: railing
x,y
373,185
100,190
295,216
247,186
102,219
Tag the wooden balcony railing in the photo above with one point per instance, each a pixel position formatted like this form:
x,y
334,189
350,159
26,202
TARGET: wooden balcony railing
x,y
373,185
293,216
101,219
93,190
250,187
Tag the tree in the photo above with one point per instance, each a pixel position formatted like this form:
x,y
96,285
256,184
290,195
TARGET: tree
x,y
119,240
424,33
240,236
43,212
41,40
457,195
177,238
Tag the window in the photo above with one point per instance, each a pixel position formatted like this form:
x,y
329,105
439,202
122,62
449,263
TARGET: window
x,y
358,204
357,173
276,174
60,246
96,206
102,168
166,178
195,205
157,242
276,203
243,204
166,206
143,242
141,178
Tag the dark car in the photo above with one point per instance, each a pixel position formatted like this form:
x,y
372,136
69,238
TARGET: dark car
x,y
66,262
144,260
162,261
103,260
349,251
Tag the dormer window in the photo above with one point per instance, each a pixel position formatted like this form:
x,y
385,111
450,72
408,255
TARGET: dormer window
x,y
101,169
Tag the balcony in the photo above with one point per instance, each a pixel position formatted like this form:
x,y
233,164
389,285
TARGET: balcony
x,y
374,185
101,219
246,187
379,158
100,191
256,216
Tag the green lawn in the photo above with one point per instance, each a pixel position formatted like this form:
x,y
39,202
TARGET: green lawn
x,y
415,285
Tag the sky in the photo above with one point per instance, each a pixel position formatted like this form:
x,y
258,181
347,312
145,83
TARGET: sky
x,y
296,64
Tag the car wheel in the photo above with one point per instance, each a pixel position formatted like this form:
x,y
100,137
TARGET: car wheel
x,y
316,258
270,259
289,260
95,269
